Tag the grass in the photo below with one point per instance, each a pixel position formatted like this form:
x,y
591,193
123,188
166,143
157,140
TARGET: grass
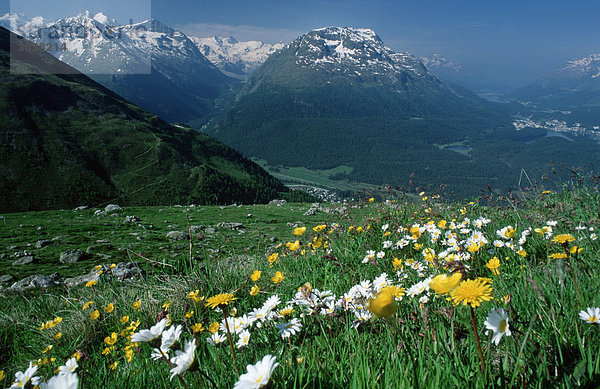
x,y
426,343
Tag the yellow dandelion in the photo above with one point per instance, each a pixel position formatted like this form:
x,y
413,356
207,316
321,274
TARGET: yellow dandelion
x,y
444,284
220,299
278,277
558,256
136,304
198,327
563,239
124,319
299,231
442,224
255,275
91,283
472,292
94,315
109,308
254,291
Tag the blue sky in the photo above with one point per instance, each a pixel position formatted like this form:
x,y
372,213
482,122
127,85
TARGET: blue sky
x,y
511,41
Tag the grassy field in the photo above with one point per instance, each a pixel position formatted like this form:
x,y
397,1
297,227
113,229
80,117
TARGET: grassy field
x,y
353,296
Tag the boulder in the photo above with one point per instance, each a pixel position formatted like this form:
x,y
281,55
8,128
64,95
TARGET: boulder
x,y
24,260
71,256
42,243
111,208
37,281
278,203
177,235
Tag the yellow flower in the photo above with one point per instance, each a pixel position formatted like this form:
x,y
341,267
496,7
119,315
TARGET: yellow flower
x,y
91,283
359,229
547,192
293,246
112,265
285,311
317,242
397,263
76,355
2,375
387,233
299,231
136,304
109,308
220,299
418,246
278,277
87,305
189,314
194,296
47,349
575,249
198,327
273,257
523,253
319,228
58,336
493,264
98,267
113,365
129,355
472,292
558,256
563,239
442,224
167,305
254,291
473,247
255,275
124,319
57,320
213,328
94,315
112,339
384,303
372,199
444,284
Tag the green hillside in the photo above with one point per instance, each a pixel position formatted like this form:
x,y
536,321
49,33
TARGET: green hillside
x,y
67,141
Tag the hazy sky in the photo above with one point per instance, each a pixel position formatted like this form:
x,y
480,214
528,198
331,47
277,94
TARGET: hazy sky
x,y
512,41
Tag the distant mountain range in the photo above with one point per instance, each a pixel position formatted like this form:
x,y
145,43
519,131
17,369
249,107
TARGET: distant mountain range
x,y
68,141
574,86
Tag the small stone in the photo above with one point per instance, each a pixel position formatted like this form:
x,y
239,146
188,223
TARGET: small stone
x,y
5,278
111,208
132,219
210,230
177,235
230,226
278,203
71,256
82,208
24,260
42,243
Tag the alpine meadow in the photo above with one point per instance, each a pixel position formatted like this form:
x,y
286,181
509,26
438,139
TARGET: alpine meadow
x,y
299,195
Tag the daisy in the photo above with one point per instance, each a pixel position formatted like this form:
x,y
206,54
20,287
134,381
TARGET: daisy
x,y
271,303
149,335
62,381
592,315
258,375
216,339
497,321
289,328
22,378
69,367
244,339
169,337
183,359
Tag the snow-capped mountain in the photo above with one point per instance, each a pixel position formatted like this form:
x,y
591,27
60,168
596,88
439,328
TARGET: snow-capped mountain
x,y
575,85
438,62
354,52
20,24
235,57
148,63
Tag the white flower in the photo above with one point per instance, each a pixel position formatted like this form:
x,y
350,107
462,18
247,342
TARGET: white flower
x,y
258,375
216,339
424,299
244,339
497,321
234,323
289,328
551,223
69,367
183,359
169,337
151,334
381,254
592,315
271,303
22,378
61,381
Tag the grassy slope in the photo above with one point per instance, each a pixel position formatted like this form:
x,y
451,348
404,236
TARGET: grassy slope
x,y
549,346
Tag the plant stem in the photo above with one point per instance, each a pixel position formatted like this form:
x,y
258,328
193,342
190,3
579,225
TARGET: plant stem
x,y
230,342
474,323
573,275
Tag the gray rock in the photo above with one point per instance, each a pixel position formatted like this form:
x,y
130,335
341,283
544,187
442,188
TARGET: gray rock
x,y
132,219
210,230
58,238
230,226
3,255
24,260
5,278
99,212
311,212
196,229
82,208
278,203
84,279
42,243
110,208
37,281
177,235
71,256
126,271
